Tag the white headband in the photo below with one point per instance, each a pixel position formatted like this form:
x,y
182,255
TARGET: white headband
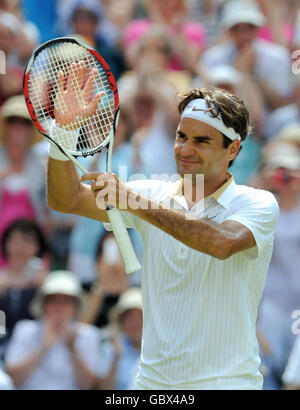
x,y
199,110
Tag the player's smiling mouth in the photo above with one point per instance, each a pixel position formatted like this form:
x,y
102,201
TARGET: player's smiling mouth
x,y
187,161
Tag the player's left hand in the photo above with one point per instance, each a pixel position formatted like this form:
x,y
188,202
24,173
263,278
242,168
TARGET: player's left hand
x,y
109,190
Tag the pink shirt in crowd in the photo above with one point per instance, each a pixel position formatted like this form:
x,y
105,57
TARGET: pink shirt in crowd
x,y
193,32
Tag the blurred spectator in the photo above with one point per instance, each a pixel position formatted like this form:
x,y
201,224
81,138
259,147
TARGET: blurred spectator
x,y
188,37
267,63
118,14
22,175
280,18
128,316
18,38
286,115
85,17
112,281
291,375
281,175
149,93
55,351
207,12
23,247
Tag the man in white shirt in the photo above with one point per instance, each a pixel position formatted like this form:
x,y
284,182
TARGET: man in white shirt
x,y
267,64
206,254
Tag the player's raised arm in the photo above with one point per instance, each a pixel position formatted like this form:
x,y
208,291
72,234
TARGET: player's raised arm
x,y
65,193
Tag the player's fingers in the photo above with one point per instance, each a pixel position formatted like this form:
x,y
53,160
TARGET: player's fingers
x,y
71,83
81,69
89,86
60,83
90,176
91,108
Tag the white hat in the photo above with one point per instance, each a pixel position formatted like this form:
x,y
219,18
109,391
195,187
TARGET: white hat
x,y
241,11
284,155
130,299
224,74
15,106
290,133
60,282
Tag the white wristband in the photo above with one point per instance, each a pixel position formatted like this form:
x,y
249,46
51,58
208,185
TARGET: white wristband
x,y
56,134
55,153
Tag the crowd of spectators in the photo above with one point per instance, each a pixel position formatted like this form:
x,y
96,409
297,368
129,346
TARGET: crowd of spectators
x,y
73,316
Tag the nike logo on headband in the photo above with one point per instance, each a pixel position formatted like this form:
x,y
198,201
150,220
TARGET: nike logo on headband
x,y
200,109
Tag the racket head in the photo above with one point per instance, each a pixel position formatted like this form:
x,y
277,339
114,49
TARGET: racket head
x,y
42,95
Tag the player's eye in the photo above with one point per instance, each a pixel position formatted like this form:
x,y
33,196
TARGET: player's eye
x,y
180,135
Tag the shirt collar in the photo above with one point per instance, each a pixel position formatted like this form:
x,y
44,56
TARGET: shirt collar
x,y
222,195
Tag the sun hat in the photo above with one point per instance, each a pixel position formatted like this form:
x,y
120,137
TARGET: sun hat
x,y
60,282
283,155
16,107
241,11
130,299
290,133
224,74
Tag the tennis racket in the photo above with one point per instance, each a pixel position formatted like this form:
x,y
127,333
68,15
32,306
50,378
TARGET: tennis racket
x,y
68,62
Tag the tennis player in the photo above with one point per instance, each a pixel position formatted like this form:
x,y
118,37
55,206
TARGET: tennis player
x,y
205,258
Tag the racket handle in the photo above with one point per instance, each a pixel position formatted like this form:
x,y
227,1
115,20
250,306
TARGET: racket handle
x,y
123,240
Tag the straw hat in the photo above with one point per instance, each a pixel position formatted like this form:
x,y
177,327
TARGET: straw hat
x,y
130,299
16,107
60,282
283,155
290,133
237,11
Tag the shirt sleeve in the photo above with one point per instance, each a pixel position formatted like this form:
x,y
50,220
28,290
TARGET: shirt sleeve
x,y
259,212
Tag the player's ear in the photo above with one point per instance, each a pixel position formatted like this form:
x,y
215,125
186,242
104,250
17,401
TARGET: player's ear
x,y
233,149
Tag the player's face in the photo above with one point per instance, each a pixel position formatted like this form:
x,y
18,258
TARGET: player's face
x,y
199,150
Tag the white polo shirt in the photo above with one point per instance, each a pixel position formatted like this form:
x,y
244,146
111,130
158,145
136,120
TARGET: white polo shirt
x,y
200,312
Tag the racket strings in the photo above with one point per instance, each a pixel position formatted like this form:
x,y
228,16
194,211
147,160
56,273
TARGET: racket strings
x,y
47,100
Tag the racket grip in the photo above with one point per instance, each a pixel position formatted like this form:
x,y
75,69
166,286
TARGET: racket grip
x,y
123,240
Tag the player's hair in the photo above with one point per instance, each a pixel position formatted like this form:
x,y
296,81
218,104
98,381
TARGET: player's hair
x,y
232,110
28,227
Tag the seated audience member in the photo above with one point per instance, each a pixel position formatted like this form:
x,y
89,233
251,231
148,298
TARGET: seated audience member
x,y
287,115
291,375
111,283
84,20
23,247
17,42
280,21
188,37
127,339
22,175
269,64
280,175
117,14
54,352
